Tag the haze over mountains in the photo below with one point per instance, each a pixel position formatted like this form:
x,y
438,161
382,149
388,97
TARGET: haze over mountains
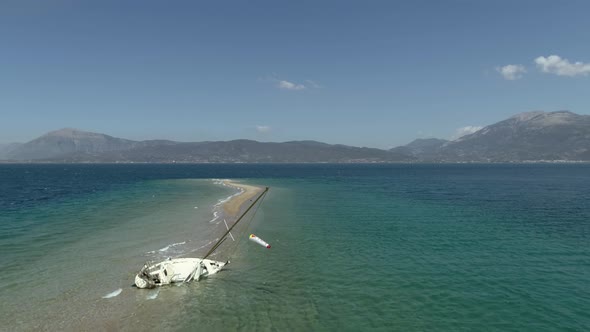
x,y
71,145
531,136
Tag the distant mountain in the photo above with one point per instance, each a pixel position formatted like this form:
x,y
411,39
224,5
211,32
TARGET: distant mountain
x,y
67,141
423,148
531,136
7,148
560,135
241,151
70,145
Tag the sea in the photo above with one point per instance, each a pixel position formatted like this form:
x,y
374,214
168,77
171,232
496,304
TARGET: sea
x,y
367,247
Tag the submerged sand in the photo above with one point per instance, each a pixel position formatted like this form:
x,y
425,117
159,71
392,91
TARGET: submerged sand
x,y
234,205
97,295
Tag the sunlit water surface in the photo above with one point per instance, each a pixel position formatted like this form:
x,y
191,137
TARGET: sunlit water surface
x,y
354,247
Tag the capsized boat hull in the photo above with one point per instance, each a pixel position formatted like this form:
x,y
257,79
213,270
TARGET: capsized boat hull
x,y
176,270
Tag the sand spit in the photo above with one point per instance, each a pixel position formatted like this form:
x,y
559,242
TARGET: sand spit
x,y
234,205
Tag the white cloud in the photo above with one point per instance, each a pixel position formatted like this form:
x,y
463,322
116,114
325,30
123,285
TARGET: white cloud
x,y
286,85
262,129
511,72
554,64
460,132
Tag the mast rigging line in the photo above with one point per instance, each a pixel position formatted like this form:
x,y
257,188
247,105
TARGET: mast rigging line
x,y
223,237
246,228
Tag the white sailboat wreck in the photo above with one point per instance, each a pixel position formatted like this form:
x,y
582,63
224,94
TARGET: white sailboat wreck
x,y
175,270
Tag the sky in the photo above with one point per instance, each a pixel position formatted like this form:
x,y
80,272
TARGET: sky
x,y
362,73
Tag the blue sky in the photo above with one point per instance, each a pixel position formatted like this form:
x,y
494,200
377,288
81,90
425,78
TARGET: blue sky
x,y
364,73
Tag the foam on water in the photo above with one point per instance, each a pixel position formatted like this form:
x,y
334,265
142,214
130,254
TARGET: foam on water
x,y
217,208
228,198
171,245
166,248
153,294
113,293
215,217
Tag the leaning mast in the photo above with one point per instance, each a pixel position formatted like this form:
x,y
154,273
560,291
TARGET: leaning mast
x,y
224,236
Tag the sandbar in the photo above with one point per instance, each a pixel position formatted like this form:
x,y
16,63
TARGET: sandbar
x,y
234,205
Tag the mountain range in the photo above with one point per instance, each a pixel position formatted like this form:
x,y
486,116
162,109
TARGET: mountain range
x,y
71,145
531,136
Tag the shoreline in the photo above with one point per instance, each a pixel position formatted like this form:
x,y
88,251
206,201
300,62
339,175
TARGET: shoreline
x,y
236,204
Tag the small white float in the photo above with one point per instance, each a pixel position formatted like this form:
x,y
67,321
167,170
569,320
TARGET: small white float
x,y
259,241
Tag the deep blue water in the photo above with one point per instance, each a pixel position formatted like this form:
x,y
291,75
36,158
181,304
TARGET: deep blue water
x,y
29,185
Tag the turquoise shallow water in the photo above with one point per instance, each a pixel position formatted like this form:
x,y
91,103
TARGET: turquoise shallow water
x,y
354,247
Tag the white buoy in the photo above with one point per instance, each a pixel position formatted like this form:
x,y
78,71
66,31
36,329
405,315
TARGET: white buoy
x,y
259,241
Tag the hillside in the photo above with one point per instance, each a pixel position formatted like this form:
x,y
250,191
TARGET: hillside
x,y
560,135
530,136
70,145
68,141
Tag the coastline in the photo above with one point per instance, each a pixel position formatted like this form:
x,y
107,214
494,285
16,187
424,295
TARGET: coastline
x,y
236,203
